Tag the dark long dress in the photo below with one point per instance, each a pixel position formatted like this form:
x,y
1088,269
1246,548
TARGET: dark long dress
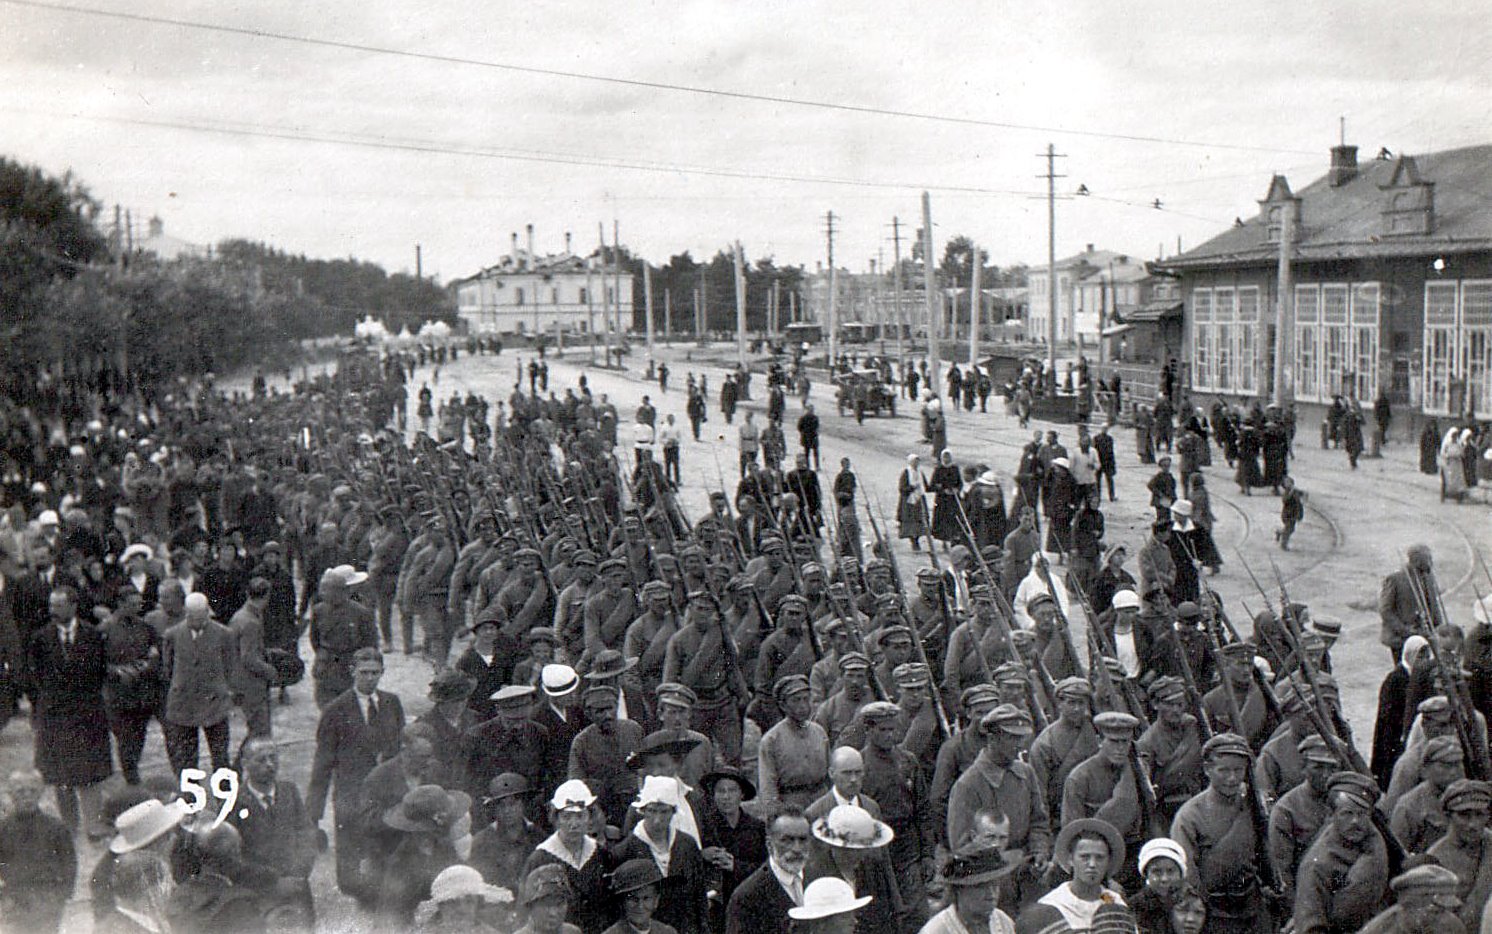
x,y
946,483
1388,731
985,506
1276,445
1246,471
1429,448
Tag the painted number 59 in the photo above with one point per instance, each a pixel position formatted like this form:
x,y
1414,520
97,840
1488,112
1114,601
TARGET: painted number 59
x,y
224,787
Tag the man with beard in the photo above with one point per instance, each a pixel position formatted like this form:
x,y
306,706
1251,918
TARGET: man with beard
x,y
701,660
1466,849
1298,817
599,754
760,903
1172,747
1343,878
793,757
609,612
1068,741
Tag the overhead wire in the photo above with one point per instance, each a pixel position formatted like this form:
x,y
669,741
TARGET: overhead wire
x,y
758,97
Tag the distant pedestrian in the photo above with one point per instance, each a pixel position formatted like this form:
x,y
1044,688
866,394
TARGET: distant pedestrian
x,y
750,441
911,507
669,437
1292,511
808,433
663,377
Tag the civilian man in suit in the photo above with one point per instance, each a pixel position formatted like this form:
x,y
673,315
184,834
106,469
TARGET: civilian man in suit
x,y
254,674
198,657
33,589
760,903
1401,598
66,665
358,729
272,822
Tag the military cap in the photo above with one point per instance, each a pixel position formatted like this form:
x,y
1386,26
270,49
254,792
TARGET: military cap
x,y
1074,686
976,694
1326,626
1355,787
1239,651
1227,744
877,564
877,711
924,574
1314,749
839,588
788,686
812,567
613,564
1437,707
1467,794
888,601
739,584
450,685
703,596
541,634
1022,638
1039,599
601,687
982,593
911,675
1007,718
1167,687
1326,684
1290,697
584,556
1011,673
1428,877
528,553
655,587
829,625
545,882
991,554
772,543
1188,610
1116,723
791,599
852,660
1444,749
690,549
680,695
1115,667
887,633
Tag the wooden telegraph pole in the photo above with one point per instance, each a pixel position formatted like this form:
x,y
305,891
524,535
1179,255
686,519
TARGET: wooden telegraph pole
x,y
976,308
1051,258
896,289
934,303
1284,310
647,292
740,306
605,290
833,293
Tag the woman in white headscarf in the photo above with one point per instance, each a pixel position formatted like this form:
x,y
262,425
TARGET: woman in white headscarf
x,y
911,505
1393,694
1453,465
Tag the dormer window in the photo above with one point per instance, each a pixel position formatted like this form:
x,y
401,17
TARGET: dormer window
x,y
1409,201
1272,208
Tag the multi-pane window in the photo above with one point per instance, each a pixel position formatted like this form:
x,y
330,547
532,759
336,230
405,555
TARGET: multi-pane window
x,y
1336,340
1225,323
1202,374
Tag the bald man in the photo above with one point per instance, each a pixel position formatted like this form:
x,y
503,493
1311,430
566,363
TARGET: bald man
x,y
198,656
846,776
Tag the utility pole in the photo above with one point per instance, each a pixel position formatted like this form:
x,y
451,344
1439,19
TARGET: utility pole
x,y
776,305
590,309
833,293
667,316
976,308
896,289
647,292
1051,258
419,264
740,307
1284,311
933,298
605,291
702,307
616,275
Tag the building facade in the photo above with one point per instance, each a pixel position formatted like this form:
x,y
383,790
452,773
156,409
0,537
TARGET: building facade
x,y
1089,286
525,293
1390,287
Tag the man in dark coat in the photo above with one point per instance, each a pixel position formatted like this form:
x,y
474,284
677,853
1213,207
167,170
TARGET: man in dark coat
x,y
67,667
356,731
273,825
1402,600
509,742
38,864
760,903
134,692
209,900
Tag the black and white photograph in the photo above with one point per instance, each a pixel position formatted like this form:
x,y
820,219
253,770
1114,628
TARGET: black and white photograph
x,y
712,468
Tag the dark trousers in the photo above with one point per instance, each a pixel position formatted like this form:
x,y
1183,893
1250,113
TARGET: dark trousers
x,y
181,745
255,704
671,463
811,450
351,844
1108,477
129,728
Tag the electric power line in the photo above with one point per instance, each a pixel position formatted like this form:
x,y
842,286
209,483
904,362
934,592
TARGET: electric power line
x,y
636,82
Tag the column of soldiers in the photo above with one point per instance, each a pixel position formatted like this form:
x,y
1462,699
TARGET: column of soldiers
x,y
638,719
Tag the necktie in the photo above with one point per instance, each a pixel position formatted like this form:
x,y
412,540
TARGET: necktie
x,y
798,891
372,709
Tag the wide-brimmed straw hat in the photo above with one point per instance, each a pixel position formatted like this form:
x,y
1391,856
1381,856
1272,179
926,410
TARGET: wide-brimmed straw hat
x,y
849,827
827,896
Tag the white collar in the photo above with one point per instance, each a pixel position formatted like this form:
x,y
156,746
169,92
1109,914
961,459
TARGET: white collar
x,y
552,845
145,922
786,879
841,799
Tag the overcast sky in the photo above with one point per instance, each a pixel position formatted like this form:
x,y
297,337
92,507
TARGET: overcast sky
x,y
1274,76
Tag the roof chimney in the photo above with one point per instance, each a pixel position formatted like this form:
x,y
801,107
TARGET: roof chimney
x,y
567,241
514,252
1343,165
530,229
1090,249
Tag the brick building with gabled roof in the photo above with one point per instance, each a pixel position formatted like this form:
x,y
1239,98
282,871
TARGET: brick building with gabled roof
x,y
1392,286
